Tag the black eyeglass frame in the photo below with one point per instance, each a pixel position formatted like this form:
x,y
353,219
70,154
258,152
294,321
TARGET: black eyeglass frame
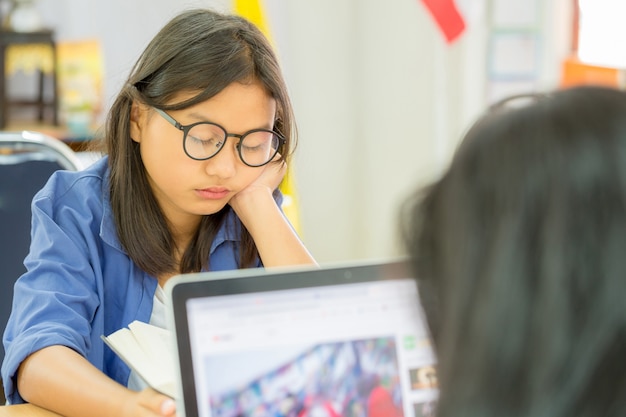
x,y
186,128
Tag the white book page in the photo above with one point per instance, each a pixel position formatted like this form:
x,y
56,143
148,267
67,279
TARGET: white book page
x,y
147,350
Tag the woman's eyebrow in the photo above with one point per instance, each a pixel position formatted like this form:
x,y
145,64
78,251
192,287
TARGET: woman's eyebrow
x,y
199,117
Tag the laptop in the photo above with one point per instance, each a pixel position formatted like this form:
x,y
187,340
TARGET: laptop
x,y
338,340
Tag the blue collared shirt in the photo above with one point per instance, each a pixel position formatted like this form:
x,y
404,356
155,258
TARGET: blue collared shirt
x,y
80,283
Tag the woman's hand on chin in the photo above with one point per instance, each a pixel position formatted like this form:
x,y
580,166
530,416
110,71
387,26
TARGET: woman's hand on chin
x,y
273,173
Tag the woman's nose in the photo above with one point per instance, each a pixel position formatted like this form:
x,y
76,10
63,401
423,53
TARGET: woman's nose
x,y
224,163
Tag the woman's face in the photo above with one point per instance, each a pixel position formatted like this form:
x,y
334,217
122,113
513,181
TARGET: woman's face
x,y
185,188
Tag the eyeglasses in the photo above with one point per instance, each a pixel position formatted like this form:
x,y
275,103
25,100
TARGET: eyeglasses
x,y
203,140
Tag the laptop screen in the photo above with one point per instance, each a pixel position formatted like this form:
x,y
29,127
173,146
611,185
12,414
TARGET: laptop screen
x,y
325,342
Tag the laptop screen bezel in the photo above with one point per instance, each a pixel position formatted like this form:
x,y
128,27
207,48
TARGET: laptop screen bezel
x,y
185,287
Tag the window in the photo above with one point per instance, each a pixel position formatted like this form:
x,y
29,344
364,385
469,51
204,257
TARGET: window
x,y
601,32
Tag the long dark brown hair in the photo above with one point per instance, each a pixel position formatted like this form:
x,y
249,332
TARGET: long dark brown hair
x,y
198,51
519,254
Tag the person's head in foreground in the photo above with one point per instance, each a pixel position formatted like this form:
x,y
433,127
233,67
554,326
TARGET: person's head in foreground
x,y
520,254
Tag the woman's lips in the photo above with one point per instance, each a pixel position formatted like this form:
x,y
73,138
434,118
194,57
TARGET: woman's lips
x,y
213,193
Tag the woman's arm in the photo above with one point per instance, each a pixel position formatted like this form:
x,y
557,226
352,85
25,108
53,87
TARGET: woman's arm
x,y
277,242
59,379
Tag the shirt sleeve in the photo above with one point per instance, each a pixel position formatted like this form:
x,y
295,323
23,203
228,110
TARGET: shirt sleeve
x,y
56,299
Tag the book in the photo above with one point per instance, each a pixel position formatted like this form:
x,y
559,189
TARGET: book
x,y
148,351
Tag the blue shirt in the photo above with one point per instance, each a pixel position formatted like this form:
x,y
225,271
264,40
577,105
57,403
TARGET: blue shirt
x,y
80,283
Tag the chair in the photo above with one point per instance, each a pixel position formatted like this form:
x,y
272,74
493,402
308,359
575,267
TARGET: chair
x,y
27,159
22,51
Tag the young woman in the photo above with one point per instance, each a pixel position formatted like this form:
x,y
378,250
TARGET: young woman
x,y
196,144
519,251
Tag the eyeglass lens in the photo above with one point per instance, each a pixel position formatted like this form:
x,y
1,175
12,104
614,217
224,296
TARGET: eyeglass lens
x,y
255,148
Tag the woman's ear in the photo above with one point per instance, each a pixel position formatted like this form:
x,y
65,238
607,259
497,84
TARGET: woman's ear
x,y
137,120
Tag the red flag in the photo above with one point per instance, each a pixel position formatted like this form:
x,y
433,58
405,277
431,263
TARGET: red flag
x,y
447,17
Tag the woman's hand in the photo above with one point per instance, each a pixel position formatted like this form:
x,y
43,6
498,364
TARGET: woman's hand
x,y
273,173
149,403
277,242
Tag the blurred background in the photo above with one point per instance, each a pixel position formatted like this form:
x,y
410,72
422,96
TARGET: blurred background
x,y
383,91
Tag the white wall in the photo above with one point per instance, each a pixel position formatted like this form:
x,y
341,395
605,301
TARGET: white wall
x,y
375,95
380,99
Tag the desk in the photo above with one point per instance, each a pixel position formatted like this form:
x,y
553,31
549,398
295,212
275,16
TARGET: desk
x,y
8,38
25,410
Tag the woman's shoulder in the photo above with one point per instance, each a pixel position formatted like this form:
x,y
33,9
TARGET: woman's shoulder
x,y
64,184
71,194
